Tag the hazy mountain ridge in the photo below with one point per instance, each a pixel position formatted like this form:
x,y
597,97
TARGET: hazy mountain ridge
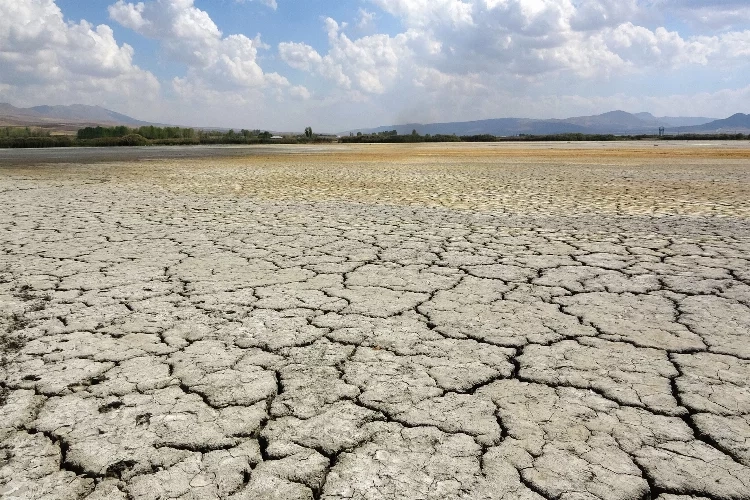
x,y
737,123
674,121
72,114
75,116
612,122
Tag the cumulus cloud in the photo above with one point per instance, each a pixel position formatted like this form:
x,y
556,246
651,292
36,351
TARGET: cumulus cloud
x,y
44,58
525,39
463,59
299,92
300,56
541,36
168,19
430,13
596,14
369,64
215,62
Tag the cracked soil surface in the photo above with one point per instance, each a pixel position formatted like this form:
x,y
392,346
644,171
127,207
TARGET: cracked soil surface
x,y
516,322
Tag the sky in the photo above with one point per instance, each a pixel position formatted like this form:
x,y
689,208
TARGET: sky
x,y
284,65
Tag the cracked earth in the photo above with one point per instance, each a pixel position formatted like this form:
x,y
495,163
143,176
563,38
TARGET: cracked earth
x,y
376,322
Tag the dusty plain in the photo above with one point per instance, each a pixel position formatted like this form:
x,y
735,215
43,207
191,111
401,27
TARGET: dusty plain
x,y
470,321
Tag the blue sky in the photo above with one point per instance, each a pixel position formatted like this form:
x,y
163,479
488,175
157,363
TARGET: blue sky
x,y
284,65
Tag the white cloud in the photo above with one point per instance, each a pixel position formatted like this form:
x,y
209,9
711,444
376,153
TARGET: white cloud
x,y
300,55
366,20
536,36
300,92
370,64
528,39
468,59
43,58
189,35
427,13
596,14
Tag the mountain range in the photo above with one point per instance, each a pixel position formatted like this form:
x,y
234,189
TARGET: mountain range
x,y
612,122
62,118
75,116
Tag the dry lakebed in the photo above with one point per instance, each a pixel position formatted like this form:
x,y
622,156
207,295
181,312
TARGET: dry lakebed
x,y
520,321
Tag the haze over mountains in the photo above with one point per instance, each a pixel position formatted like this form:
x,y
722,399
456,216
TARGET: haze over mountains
x,y
75,116
63,117
612,122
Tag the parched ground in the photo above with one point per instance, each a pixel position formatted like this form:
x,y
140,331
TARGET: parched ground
x,y
505,321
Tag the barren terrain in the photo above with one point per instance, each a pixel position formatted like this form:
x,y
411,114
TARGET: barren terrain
x,y
488,321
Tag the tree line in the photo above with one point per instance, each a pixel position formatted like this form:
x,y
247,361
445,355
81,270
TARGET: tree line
x,y
392,136
34,137
14,132
20,137
23,137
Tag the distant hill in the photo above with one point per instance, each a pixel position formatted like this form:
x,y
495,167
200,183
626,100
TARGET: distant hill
x,y
738,122
673,121
500,126
81,112
63,118
612,122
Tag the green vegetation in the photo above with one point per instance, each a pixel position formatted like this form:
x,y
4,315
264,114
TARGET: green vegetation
x,y
140,136
706,137
31,137
392,136
611,137
100,132
150,133
15,132
55,141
